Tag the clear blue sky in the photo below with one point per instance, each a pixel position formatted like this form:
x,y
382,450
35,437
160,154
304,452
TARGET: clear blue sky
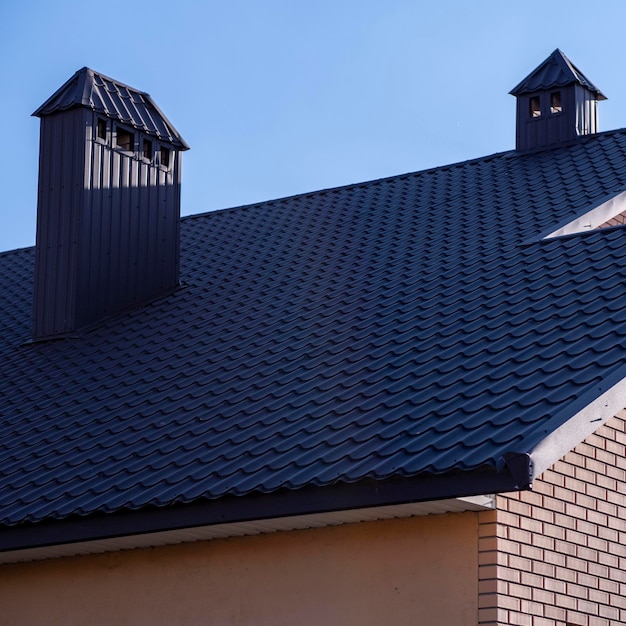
x,y
277,97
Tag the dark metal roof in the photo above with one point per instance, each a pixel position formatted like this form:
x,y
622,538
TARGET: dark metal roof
x,y
556,71
115,100
412,333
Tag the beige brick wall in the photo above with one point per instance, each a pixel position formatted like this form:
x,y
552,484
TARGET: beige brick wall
x,y
618,220
556,555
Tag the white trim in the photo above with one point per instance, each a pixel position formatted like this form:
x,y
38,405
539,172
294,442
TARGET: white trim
x,y
610,208
565,438
221,531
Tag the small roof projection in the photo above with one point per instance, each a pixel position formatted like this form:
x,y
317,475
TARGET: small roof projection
x,y
556,71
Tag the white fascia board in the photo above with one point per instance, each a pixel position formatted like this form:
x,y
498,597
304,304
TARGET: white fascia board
x,y
583,424
257,527
613,205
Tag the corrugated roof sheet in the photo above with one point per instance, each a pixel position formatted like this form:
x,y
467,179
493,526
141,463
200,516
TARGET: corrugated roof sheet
x,y
115,100
556,71
402,327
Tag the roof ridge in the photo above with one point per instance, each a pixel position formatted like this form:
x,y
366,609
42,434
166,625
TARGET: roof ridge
x,y
22,249
439,168
363,183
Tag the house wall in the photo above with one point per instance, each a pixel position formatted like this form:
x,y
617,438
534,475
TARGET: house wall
x,y
556,556
421,570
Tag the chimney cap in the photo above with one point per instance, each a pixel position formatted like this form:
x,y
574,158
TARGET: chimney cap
x,y
115,100
556,71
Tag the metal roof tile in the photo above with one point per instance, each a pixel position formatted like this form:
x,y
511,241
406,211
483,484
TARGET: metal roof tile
x,y
327,338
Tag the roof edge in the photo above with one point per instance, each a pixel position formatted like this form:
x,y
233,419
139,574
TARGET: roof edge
x,y
362,183
255,527
258,507
581,425
78,76
505,154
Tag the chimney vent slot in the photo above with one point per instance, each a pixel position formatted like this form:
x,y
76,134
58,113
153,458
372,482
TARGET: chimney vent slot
x,y
147,149
535,106
101,130
125,139
165,157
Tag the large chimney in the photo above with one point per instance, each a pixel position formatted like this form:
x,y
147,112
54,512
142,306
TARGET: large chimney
x,y
108,204
556,103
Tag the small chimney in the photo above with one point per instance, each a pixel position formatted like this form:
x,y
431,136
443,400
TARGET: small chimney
x,y
556,103
108,204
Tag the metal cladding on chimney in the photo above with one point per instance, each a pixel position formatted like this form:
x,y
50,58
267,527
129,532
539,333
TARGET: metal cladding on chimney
x,y
108,204
556,103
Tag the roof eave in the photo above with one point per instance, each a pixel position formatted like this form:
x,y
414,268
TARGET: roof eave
x,y
51,104
260,507
253,527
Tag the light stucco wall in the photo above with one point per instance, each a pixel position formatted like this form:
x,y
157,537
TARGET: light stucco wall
x,y
418,571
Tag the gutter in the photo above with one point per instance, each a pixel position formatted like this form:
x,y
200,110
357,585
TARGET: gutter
x,y
257,510
255,527
312,506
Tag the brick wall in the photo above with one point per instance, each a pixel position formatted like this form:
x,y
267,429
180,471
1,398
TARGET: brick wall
x,y
618,220
556,555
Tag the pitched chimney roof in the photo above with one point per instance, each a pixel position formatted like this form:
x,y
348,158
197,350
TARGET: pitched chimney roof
x,y
556,71
116,100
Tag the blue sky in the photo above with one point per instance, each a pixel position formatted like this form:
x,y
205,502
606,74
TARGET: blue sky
x,y
279,97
